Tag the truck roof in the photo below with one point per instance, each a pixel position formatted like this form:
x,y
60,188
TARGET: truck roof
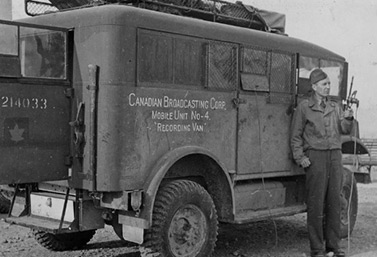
x,y
124,15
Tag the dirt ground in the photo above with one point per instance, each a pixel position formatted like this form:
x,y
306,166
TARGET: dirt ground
x,y
274,238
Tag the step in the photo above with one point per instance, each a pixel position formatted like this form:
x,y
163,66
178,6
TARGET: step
x,y
40,223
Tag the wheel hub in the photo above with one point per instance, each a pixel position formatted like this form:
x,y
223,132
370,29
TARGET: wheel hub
x,y
187,232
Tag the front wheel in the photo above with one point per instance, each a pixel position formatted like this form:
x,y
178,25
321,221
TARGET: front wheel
x,y
184,222
349,204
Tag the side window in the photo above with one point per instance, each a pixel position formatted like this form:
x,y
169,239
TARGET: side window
x,y
267,72
307,64
222,66
281,78
155,58
189,61
43,53
333,69
29,52
255,61
281,73
168,59
165,59
254,76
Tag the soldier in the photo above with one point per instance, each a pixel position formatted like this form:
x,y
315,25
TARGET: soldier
x,y
317,125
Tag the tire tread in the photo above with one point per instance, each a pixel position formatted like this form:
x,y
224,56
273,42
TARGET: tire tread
x,y
63,242
152,245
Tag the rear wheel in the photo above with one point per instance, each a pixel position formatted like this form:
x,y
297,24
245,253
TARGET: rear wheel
x,y
349,203
184,222
63,242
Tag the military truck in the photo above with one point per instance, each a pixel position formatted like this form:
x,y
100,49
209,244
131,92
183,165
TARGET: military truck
x,y
159,118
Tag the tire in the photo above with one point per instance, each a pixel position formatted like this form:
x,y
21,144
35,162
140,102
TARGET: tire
x,y
5,200
184,222
63,242
349,204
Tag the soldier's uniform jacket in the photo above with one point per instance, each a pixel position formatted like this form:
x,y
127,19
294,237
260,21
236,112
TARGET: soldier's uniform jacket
x,y
316,128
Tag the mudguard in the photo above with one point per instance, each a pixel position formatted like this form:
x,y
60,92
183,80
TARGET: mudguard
x,y
161,168
353,145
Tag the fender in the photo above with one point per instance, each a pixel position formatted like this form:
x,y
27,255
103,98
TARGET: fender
x,y
161,168
353,145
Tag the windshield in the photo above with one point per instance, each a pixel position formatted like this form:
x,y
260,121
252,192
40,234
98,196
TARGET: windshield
x,y
33,52
334,70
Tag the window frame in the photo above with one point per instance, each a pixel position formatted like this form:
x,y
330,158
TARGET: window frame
x,y
263,81
173,38
204,45
304,86
17,59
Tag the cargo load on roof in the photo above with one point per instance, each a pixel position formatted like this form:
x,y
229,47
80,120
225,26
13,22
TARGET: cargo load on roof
x,y
237,14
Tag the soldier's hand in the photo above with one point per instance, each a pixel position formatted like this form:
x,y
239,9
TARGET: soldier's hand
x,y
348,114
305,162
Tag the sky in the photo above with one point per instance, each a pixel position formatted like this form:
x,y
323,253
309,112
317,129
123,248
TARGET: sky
x,y
346,27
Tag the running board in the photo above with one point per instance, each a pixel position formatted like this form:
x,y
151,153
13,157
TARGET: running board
x,y
252,215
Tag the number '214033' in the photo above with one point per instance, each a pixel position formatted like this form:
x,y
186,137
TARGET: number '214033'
x,y
19,102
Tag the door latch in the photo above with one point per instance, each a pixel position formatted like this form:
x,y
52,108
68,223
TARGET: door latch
x,y
238,101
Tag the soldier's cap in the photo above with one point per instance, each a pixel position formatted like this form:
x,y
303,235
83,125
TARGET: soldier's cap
x,y
317,75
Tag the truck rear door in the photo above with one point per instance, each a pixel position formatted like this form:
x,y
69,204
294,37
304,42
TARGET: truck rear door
x,y
34,107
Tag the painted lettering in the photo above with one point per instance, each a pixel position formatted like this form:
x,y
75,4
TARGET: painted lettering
x,y
133,100
180,115
174,110
156,115
185,103
195,115
217,105
173,127
197,127
24,103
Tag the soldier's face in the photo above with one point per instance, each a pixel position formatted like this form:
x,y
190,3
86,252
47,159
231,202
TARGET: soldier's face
x,y
322,87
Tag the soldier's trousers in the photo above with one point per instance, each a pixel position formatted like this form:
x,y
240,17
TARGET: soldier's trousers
x,y
323,186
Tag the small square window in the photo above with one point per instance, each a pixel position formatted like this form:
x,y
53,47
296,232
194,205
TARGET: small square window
x,y
222,66
155,58
254,61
